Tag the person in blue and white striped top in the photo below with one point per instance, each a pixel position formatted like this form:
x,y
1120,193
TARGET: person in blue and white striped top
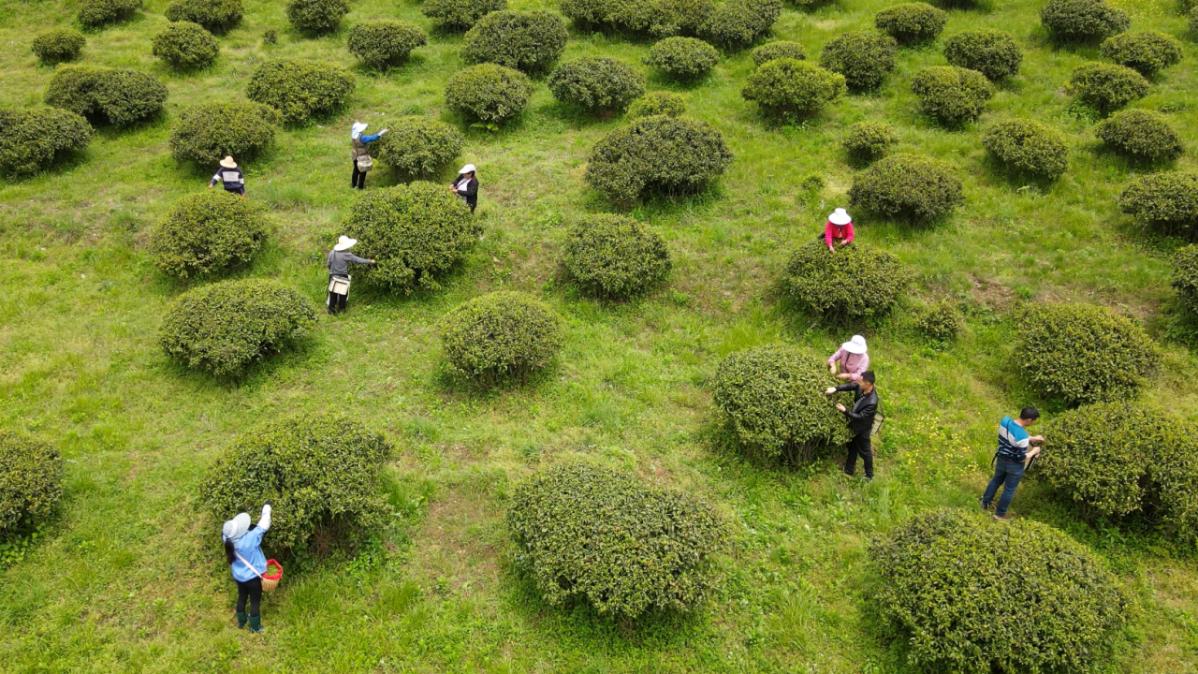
x,y
1015,447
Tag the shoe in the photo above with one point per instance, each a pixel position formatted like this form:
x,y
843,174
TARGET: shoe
x,y
256,623
983,504
241,618
1002,518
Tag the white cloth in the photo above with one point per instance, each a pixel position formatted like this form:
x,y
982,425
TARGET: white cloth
x,y
357,129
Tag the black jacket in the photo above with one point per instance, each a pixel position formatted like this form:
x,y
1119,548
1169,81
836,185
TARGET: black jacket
x,y
470,194
861,413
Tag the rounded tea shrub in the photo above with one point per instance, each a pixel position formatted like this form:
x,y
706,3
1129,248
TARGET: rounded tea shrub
x,y
940,322
316,17
683,58
868,141
186,46
322,473
952,96
1141,135
1146,52
455,15
1166,201
658,103
1106,87
218,16
596,84
963,596
208,233
658,18
771,399
500,337
301,90
851,284
209,131
418,147
33,140
99,13
615,257
1081,353
58,46
911,22
1082,20
222,328
864,58
1194,21
622,546
735,24
30,483
105,95
1185,276
777,50
657,154
1028,148
381,44
786,87
416,233
488,93
993,53
908,187
527,41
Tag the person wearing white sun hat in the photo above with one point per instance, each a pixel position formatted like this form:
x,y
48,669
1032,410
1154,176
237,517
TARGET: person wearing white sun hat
x,y
850,360
360,153
339,259
247,563
466,186
838,231
229,175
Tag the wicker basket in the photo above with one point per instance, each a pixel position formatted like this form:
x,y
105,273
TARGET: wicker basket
x,y
271,580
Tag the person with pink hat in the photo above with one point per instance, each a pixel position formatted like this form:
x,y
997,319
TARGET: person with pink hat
x,y
850,360
838,231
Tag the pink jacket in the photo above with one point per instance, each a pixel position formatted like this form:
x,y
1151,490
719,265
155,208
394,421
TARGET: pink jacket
x,y
852,363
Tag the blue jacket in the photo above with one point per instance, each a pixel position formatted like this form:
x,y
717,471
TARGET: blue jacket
x,y
249,546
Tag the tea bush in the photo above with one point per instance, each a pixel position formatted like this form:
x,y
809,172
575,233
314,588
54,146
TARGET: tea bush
x,y
488,93
777,50
104,95
993,53
316,17
1106,87
456,15
301,90
1147,52
99,13
1082,20
683,58
624,547
210,131
968,596
615,257
58,46
658,18
381,44
771,399
864,58
418,147
30,483
1185,276
218,16
851,284
735,24
909,187
868,141
658,103
416,233
33,140
596,84
1141,135
500,337
787,88
1166,201
952,96
208,233
184,45
1080,353
527,41
940,322
1028,148
911,22
1194,21
657,154
322,473
222,328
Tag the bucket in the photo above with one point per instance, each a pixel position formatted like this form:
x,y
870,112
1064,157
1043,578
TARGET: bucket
x,y
274,574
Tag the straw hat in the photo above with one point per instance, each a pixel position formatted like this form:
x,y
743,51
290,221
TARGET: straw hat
x,y
468,168
345,243
228,162
856,345
236,527
840,217
357,129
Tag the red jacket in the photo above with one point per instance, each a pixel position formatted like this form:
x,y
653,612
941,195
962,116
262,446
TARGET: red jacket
x,y
838,232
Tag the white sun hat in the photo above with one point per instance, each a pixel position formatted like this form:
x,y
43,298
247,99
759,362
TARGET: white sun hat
x,y
228,162
840,217
468,168
236,527
357,129
856,345
345,243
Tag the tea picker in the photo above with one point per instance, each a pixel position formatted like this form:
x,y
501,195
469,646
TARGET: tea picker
x,y
360,153
252,572
339,260
230,176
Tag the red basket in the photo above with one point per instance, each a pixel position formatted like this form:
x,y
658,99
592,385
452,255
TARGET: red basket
x,y
271,580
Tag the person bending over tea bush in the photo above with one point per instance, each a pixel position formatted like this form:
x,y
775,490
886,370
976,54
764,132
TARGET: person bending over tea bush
x,y
1028,148
316,17
657,103
301,90
30,483
419,147
911,23
615,257
382,44
683,58
853,284
1147,52
864,58
116,97
868,142
500,337
208,233
909,187
1140,135
1106,87
527,41
626,548
99,13
209,132
218,16
35,139
596,84
788,89
58,46
1082,20
186,46
1167,202
488,93
777,50
457,15
952,96
993,53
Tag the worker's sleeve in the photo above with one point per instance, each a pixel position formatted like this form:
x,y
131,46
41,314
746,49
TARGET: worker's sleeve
x,y
865,413
851,386
371,138
828,234
215,178
358,260
850,234
264,521
835,357
471,188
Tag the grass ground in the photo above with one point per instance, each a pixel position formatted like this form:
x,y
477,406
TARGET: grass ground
x,y
129,577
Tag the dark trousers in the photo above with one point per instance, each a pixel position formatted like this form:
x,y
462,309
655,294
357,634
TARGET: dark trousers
x,y
1007,473
359,178
337,302
860,446
252,590
236,190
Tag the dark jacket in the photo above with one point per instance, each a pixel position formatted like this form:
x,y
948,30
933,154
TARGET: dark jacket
x,y
470,194
340,260
861,413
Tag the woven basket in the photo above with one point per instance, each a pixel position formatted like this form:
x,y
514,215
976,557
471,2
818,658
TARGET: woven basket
x,y
271,580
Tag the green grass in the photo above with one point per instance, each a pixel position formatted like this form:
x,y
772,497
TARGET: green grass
x,y
129,578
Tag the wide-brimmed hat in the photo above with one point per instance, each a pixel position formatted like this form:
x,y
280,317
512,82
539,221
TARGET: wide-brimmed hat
x,y
345,243
236,527
228,162
840,217
468,168
856,345
357,129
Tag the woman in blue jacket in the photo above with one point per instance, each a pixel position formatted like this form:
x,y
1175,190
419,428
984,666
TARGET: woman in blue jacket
x,y
360,153
243,551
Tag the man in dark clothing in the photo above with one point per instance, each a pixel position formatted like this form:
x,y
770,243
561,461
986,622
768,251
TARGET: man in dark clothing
x,y
860,418
230,177
339,260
